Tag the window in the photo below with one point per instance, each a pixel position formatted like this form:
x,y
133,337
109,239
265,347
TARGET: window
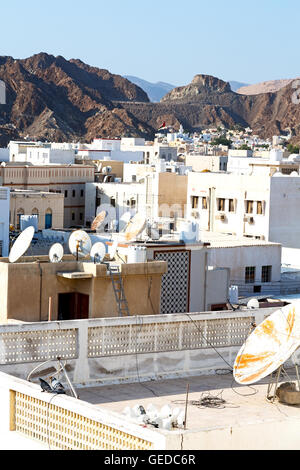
x,y
259,207
221,204
195,200
133,203
66,193
73,215
231,205
73,193
81,193
81,216
204,203
113,202
249,207
266,273
249,274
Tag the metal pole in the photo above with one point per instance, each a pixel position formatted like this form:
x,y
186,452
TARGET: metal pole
x,y
186,404
67,377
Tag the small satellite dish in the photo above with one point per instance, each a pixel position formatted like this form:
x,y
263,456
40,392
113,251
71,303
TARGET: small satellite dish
x,y
21,244
56,253
80,244
98,220
135,226
124,220
252,304
113,249
98,252
269,345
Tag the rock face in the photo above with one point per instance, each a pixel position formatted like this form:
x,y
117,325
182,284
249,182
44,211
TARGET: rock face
x,y
51,98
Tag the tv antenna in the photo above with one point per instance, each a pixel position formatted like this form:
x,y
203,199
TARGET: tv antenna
x,y
80,244
21,244
270,344
56,253
98,252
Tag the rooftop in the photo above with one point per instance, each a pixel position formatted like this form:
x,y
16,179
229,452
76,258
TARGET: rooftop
x,y
229,408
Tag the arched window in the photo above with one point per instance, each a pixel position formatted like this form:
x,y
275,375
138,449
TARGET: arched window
x,y
35,212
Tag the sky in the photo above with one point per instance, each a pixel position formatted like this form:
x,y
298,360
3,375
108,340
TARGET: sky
x,y
160,40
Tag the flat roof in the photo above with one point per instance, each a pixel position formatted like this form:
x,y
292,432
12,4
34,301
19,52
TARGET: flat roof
x,y
241,406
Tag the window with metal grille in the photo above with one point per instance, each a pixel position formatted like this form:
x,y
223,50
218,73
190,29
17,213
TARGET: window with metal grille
x,y
266,273
249,274
249,207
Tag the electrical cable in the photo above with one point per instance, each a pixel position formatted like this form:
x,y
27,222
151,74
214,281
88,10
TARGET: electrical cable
x,y
230,366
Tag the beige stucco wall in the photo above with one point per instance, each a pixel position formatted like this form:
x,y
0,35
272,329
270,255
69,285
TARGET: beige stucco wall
x,y
42,201
172,191
26,288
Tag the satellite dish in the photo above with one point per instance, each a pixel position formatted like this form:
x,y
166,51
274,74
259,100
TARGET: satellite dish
x,y
98,220
252,304
113,249
21,244
80,244
269,345
124,220
135,226
98,252
56,253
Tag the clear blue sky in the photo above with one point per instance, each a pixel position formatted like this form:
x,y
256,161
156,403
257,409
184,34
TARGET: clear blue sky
x,y
248,41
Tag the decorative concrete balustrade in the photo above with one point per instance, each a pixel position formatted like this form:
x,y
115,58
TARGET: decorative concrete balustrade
x,y
110,350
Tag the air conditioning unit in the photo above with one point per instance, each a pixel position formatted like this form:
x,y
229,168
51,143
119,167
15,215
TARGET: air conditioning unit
x,y
221,217
195,214
249,219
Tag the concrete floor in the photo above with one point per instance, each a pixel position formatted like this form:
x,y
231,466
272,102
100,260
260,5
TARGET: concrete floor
x,y
243,404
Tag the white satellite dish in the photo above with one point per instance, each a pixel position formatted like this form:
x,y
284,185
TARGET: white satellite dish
x,y
80,244
98,252
113,249
124,220
21,244
269,345
56,253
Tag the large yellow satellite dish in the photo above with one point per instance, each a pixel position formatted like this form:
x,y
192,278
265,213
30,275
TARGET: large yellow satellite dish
x,y
269,345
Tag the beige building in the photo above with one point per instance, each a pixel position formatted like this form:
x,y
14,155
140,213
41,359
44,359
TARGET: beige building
x,y
49,207
206,162
156,196
77,290
68,180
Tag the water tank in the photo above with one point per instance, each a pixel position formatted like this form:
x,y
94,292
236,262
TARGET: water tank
x,y
161,166
137,254
189,232
276,155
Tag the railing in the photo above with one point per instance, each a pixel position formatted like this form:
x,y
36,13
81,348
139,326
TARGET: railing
x,y
128,348
64,423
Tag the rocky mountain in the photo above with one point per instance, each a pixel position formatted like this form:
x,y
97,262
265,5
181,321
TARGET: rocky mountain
x,y
155,91
51,98
264,87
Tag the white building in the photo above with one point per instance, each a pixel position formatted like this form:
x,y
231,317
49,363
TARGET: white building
x,y
258,206
245,162
101,149
38,153
4,220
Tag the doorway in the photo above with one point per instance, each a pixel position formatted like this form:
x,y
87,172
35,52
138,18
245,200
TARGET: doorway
x,y
73,306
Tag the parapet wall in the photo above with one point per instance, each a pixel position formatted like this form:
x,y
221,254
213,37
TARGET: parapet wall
x,y
128,349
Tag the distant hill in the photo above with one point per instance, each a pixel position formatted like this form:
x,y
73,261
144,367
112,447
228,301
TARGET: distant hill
x,y
270,86
155,91
237,85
